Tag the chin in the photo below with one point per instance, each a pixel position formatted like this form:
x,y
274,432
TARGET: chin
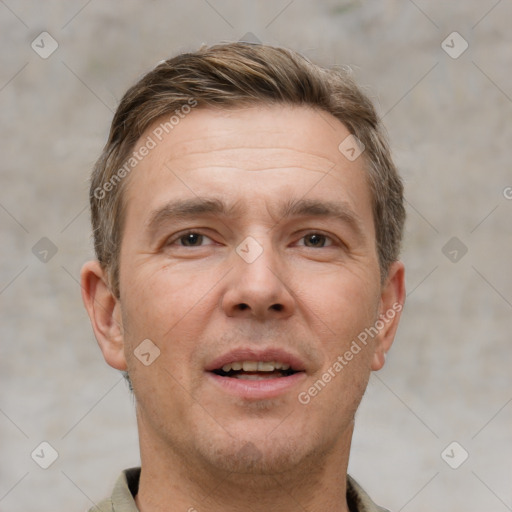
x,y
251,461
269,456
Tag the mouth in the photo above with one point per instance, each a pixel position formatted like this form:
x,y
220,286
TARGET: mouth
x,y
256,374
255,370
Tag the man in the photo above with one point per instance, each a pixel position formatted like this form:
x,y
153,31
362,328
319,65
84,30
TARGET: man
x,y
247,220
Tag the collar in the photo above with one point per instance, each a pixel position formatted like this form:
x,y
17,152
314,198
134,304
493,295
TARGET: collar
x,y
127,485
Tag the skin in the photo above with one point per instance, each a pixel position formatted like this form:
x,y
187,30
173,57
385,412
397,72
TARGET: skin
x,y
200,446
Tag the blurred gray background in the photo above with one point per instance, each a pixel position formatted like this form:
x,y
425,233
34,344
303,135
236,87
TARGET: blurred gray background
x,y
447,108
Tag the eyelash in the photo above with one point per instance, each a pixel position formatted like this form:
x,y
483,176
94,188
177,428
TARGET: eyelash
x,y
333,241
179,236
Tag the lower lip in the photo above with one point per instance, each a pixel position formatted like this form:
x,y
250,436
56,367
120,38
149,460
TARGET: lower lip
x,y
257,389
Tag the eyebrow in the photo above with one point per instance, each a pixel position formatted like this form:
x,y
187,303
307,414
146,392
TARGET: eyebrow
x,y
183,209
339,210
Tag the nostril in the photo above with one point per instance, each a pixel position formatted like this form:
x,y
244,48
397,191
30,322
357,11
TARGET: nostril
x,y
277,307
242,306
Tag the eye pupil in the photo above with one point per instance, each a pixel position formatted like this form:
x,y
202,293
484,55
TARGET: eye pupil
x,y
191,238
315,239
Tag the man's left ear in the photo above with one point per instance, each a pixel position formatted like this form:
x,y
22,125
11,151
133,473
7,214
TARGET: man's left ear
x,y
391,304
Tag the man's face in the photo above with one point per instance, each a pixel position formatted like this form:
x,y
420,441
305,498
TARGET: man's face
x,y
286,272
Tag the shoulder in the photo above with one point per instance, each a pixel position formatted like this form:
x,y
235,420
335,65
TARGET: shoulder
x,y
358,499
123,494
103,506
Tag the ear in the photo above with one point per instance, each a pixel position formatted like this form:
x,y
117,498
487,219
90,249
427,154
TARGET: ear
x,y
391,304
104,311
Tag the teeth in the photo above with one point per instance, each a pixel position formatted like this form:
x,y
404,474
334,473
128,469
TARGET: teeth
x,y
250,366
255,366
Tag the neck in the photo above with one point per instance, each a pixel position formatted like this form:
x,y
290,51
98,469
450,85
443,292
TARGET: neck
x,y
172,482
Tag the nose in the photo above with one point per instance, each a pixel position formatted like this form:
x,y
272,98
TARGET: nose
x,y
258,288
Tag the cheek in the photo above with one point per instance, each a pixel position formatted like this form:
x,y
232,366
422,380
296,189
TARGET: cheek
x,y
169,308
348,308
347,302
157,300
161,325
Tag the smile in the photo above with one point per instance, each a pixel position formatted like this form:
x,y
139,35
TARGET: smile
x,y
257,374
255,370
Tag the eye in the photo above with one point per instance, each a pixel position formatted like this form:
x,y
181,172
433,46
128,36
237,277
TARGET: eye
x,y
316,240
189,239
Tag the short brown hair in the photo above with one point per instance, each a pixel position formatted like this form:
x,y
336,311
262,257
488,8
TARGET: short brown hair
x,y
233,75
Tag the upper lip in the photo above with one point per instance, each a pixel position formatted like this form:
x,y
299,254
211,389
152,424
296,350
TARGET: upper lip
x,y
251,354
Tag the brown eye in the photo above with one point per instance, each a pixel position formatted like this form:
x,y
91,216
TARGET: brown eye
x,y
315,240
191,239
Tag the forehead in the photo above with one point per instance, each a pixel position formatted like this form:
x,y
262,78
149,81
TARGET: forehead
x,y
279,131
258,152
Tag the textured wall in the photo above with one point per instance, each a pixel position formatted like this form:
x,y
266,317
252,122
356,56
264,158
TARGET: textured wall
x,y
448,376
